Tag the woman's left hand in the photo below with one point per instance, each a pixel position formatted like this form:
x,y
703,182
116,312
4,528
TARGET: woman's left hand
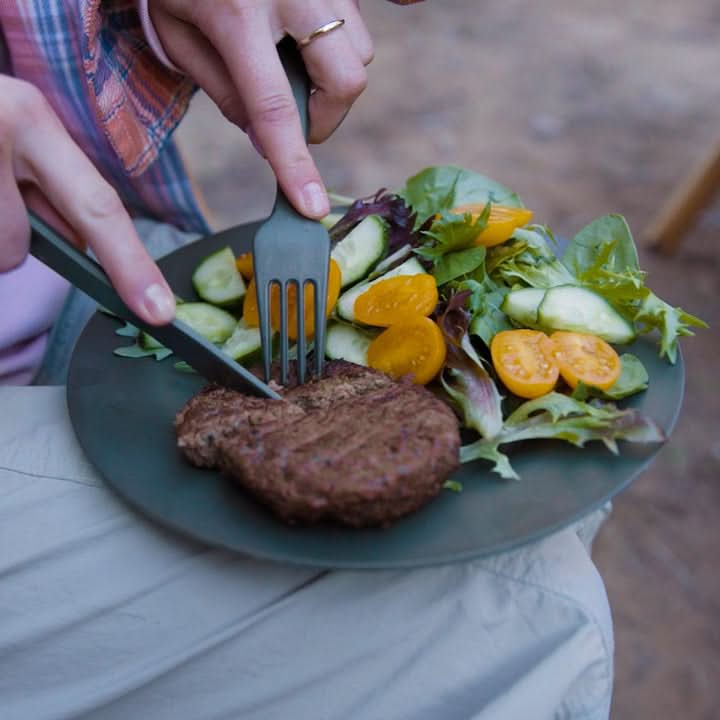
x,y
228,47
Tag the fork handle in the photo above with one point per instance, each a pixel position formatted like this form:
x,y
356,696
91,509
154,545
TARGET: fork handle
x,y
299,80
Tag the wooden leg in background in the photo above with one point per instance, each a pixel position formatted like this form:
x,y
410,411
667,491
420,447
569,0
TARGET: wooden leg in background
x,y
677,216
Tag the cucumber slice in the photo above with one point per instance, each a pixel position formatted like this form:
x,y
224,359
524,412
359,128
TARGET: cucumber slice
x,y
348,342
398,257
213,323
244,345
217,280
346,302
329,221
577,309
522,305
361,249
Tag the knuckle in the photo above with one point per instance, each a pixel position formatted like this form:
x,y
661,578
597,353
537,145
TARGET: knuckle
x,y
351,85
367,55
275,109
230,10
103,204
232,110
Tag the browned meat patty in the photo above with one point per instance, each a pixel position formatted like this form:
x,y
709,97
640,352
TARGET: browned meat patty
x,y
354,447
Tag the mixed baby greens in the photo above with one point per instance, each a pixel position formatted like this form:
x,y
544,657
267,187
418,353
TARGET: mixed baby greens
x,y
495,271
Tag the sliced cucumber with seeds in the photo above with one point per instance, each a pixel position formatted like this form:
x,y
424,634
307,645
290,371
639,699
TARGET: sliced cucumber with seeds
x,y
348,342
345,307
213,323
577,309
361,249
522,306
244,345
217,279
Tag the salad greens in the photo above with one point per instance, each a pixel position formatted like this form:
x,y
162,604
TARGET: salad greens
x,y
445,187
557,416
473,285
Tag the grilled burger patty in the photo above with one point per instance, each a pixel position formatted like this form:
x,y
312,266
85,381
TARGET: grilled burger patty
x,y
354,447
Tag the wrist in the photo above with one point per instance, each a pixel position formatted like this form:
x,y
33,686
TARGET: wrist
x,y
152,38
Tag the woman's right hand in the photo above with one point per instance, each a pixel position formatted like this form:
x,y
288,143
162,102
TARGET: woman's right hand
x,y
41,167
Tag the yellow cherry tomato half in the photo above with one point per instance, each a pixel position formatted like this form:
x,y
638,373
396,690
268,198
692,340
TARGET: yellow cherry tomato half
x,y
389,301
587,359
414,346
250,306
525,362
502,222
244,264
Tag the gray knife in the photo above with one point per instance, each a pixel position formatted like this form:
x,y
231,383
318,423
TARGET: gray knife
x,y
83,272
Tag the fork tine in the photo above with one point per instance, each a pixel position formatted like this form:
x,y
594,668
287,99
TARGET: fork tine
x,y
264,317
301,346
284,337
320,282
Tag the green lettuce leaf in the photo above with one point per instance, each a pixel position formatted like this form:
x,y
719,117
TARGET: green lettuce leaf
x,y
464,377
452,233
128,330
609,232
135,351
559,417
444,187
672,322
458,264
486,299
534,265
633,379
604,258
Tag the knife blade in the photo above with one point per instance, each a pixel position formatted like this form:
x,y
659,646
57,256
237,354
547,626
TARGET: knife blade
x,y
53,250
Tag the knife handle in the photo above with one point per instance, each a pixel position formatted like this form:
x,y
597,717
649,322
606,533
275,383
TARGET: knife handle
x,y
83,272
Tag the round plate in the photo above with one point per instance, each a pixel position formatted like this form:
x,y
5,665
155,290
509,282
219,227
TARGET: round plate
x,y
123,409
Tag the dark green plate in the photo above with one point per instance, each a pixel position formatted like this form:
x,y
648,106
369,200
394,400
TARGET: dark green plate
x,y
122,411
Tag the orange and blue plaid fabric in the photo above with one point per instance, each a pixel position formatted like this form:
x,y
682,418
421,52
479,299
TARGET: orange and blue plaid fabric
x,y
91,61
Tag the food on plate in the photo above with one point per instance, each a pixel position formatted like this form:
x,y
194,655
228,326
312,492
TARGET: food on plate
x,y
393,299
586,359
525,362
354,447
413,347
449,282
250,306
502,221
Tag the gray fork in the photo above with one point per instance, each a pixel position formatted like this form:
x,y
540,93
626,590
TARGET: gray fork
x,y
289,249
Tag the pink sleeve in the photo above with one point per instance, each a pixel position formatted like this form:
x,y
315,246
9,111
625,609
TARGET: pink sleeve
x,y
31,297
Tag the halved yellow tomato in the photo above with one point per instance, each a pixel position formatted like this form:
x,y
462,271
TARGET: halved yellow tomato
x,y
525,361
389,301
502,222
587,359
250,306
414,346
244,264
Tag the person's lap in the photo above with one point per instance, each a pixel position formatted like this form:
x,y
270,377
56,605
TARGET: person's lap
x,y
105,615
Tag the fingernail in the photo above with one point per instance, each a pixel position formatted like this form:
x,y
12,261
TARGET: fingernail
x,y
315,200
159,303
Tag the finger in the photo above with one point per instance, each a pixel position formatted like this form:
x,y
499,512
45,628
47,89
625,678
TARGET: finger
x,y
243,36
15,229
355,29
190,50
37,202
46,156
334,66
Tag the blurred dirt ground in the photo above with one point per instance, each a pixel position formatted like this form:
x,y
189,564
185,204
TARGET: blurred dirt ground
x,y
583,108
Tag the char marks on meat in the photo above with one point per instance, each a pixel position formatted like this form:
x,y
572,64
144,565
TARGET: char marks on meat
x,y
354,447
